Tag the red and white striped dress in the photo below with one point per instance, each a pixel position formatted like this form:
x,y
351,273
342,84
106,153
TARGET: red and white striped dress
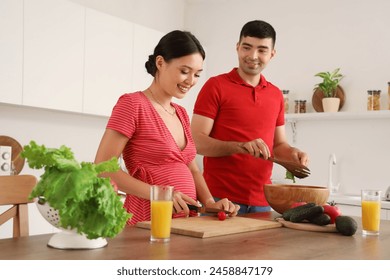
x,y
151,154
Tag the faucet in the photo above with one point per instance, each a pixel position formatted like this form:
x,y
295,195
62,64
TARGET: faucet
x,y
332,161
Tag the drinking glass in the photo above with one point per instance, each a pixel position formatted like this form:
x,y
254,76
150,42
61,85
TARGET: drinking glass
x,y
161,213
371,212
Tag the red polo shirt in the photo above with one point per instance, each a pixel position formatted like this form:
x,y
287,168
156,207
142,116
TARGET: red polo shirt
x,y
241,113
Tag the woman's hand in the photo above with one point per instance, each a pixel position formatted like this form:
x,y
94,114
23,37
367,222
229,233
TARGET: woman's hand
x,y
225,204
180,201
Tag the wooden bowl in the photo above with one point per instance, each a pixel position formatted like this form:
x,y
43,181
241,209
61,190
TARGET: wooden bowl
x,y
281,197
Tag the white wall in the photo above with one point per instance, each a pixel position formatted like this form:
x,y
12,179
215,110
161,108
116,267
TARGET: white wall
x,y
312,36
50,128
164,15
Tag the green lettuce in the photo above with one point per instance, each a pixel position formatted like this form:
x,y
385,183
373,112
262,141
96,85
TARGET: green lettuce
x,y
85,201
290,176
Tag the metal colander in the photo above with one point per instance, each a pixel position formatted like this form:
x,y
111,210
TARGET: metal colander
x,y
49,213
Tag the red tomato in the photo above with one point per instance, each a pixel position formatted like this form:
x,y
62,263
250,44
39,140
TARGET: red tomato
x,y
296,204
333,211
221,215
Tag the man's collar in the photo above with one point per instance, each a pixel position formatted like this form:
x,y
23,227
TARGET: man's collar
x,y
235,77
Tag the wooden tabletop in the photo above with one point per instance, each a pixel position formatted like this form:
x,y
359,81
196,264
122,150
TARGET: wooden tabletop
x,y
270,244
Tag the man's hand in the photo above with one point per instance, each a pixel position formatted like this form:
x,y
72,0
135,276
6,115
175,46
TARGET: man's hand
x,y
257,148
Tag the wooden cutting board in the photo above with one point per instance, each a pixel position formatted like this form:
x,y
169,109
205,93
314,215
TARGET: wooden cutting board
x,y
210,226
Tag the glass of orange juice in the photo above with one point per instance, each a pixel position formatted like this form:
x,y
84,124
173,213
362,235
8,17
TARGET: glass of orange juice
x,y
371,211
161,205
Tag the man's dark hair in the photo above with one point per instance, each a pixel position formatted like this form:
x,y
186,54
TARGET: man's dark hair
x,y
259,29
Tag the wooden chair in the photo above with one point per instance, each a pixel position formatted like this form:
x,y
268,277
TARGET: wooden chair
x,y
14,191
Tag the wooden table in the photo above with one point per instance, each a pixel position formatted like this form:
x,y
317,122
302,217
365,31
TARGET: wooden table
x,y
271,244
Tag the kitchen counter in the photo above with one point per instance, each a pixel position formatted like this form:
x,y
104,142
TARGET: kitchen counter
x,y
354,200
271,244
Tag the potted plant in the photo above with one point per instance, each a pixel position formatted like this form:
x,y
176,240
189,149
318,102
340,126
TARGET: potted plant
x,y
328,87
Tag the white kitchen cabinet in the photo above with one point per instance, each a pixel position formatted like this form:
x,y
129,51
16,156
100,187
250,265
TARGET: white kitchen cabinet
x,y
53,54
59,55
108,61
350,210
145,40
11,54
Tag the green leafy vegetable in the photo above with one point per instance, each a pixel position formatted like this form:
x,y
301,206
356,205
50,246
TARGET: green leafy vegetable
x,y
290,176
85,201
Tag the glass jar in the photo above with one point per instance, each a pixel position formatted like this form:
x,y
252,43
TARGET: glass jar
x,y
285,98
300,106
296,107
373,100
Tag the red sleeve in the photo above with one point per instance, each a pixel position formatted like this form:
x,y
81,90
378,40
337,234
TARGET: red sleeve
x,y
124,115
207,102
281,120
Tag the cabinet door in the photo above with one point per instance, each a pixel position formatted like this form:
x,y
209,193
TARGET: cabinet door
x,y
53,54
108,60
145,40
350,210
11,54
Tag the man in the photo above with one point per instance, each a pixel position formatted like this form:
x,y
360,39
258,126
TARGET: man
x,y
238,122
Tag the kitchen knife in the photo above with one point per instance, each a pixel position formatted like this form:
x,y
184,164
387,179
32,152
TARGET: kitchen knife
x,y
206,210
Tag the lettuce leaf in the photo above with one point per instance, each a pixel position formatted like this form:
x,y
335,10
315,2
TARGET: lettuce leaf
x,y
290,176
85,201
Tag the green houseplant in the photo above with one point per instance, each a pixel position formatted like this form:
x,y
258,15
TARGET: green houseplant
x,y
328,87
330,82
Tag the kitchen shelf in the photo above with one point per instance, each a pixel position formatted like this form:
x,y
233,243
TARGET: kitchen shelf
x,y
383,114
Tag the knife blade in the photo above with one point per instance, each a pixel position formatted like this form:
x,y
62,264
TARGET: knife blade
x,y
206,210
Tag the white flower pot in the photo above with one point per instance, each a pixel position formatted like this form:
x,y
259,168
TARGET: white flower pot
x,y
331,104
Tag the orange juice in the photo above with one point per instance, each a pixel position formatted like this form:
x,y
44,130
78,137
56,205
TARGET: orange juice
x,y
161,218
371,215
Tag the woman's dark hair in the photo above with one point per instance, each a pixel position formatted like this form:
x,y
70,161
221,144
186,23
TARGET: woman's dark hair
x,y
258,29
175,44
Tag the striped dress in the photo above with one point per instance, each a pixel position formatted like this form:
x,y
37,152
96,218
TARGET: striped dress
x,y
151,154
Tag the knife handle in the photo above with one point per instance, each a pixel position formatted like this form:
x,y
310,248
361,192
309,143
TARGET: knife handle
x,y
193,207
